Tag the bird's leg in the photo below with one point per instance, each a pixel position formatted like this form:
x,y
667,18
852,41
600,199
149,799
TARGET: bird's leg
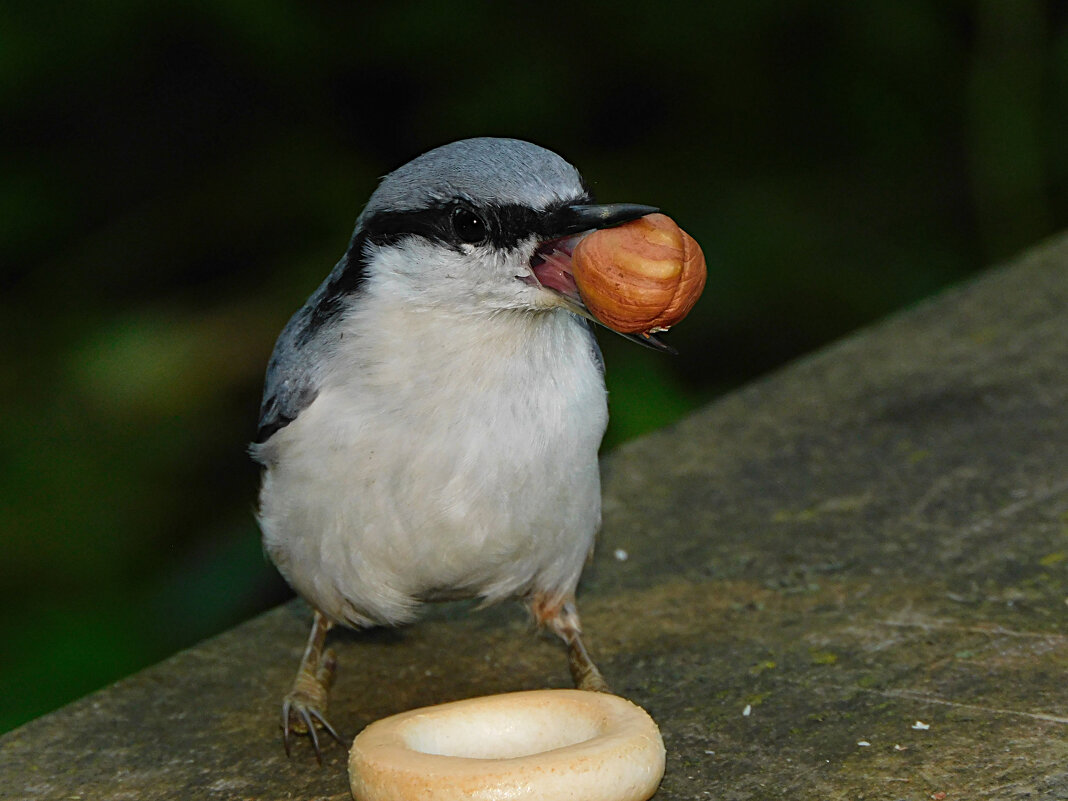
x,y
561,617
304,708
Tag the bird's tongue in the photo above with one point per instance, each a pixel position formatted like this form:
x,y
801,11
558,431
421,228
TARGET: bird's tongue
x,y
551,265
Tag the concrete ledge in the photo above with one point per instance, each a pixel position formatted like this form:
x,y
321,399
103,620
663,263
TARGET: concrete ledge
x,y
849,580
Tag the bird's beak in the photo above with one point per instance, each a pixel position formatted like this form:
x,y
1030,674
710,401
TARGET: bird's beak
x,y
584,218
550,266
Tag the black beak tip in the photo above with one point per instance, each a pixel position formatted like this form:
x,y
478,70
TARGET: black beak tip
x,y
652,342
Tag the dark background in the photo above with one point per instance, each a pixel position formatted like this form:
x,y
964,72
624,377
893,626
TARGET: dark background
x,y
177,177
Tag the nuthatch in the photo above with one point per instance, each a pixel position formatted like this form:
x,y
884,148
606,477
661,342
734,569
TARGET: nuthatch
x,y
432,414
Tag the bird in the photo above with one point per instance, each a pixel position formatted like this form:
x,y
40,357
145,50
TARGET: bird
x,y
431,416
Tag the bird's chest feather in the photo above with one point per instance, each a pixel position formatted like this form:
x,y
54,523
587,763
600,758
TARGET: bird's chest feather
x,y
474,415
459,458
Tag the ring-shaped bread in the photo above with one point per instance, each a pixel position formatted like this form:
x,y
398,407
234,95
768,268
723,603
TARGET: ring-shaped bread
x,y
544,744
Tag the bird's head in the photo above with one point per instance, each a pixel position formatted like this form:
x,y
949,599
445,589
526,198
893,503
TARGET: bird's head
x,y
482,225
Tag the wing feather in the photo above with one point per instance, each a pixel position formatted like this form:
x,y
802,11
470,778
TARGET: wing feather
x,y
293,372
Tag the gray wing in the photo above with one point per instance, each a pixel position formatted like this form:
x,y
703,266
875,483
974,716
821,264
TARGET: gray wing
x,y
291,383
293,372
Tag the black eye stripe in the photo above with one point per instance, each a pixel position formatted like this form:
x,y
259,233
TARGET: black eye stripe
x,y
506,224
387,228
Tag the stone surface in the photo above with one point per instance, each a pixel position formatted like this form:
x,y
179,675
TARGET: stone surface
x,y
846,581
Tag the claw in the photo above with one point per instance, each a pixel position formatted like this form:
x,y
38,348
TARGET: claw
x,y
287,706
306,717
315,713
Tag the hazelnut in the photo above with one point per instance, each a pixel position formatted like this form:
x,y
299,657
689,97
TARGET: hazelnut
x,y
642,276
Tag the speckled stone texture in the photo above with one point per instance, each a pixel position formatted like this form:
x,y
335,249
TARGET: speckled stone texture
x,y
846,581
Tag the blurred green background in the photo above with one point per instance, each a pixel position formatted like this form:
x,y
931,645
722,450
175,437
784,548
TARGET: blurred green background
x,y
177,177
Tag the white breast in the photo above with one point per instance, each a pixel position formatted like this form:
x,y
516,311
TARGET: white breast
x,y
446,456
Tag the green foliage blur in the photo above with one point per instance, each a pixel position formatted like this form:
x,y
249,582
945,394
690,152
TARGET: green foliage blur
x,y
177,177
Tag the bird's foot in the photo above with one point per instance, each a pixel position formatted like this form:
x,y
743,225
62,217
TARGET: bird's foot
x,y
583,672
304,707
561,616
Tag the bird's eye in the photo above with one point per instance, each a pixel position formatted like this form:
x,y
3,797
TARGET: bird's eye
x,y
468,226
